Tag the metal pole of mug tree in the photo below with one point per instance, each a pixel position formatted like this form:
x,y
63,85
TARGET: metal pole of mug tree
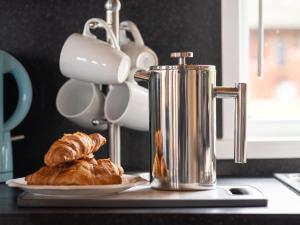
x,y
112,18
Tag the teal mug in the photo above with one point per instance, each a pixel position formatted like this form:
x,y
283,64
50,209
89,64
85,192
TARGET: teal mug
x,y
11,66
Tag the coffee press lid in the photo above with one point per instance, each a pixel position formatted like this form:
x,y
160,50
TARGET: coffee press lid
x,y
182,63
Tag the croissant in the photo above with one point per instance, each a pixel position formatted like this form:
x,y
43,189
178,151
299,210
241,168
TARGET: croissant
x,y
106,167
79,172
72,147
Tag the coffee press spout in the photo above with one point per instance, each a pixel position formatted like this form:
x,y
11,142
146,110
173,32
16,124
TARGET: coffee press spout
x,y
239,93
142,75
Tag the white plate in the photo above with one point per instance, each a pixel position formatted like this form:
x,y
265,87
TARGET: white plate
x,y
78,190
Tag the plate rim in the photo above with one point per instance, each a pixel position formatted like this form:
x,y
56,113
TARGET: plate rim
x,y
16,183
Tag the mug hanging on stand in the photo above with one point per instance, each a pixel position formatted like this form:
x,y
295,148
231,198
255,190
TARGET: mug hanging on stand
x,y
127,105
82,103
86,58
141,56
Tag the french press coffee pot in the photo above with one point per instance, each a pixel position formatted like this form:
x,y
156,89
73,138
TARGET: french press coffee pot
x,y
182,101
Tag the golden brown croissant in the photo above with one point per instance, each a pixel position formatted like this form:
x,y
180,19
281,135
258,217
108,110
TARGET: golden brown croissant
x,y
107,167
79,172
72,147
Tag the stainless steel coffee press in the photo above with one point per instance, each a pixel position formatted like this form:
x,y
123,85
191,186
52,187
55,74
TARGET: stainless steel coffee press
x,y
183,123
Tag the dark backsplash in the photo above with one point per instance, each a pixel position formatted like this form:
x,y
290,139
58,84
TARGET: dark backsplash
x,y
34,32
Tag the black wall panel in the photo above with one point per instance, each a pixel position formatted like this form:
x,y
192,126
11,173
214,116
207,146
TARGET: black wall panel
x,y
34,32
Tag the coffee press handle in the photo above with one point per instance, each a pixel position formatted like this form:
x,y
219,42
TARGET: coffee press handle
x,y
240,94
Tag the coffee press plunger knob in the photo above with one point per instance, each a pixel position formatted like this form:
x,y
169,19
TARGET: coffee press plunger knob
x,y
181,56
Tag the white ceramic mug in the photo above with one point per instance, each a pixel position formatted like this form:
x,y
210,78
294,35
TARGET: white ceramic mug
x,y
86,58
141,56
127,105
82,103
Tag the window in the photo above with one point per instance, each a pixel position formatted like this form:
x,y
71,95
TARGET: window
x,y
277,95
274,101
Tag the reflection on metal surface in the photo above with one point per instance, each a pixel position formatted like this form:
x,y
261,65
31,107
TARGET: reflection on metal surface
x,y
181,105
159,164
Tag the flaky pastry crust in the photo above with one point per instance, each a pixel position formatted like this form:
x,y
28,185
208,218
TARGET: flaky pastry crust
x,y
72,147
79,172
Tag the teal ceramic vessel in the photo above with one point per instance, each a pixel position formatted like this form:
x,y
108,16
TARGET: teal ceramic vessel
x,y
11,66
